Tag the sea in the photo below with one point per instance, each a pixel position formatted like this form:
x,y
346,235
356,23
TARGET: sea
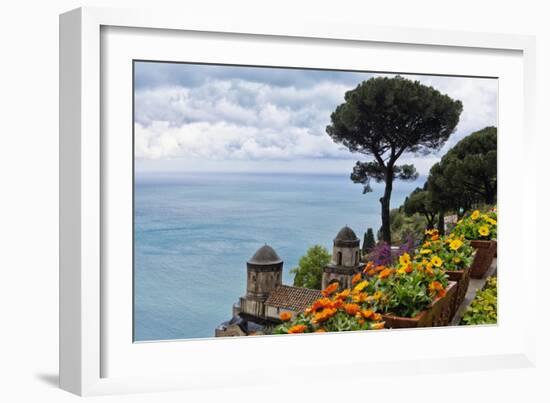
x,y
194,232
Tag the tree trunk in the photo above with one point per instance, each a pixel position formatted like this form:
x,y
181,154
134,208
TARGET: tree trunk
x,y
490,196
385,204
429,220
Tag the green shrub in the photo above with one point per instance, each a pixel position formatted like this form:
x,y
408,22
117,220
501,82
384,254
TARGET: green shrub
x,y
483,309
309,272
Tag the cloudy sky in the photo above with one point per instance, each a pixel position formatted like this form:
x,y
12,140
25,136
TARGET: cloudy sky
x,y
205,118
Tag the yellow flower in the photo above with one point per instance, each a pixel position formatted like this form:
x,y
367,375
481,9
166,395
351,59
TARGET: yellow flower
x,y
361,285
456,259
377,295
475,215
378,325
360,297
483,230
425,251
455,244
436,261
490,220
404,259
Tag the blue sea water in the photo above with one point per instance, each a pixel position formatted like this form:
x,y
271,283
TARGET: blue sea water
x,y
195,232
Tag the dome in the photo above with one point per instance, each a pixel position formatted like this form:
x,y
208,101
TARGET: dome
x,y
346,234
346,237
266,255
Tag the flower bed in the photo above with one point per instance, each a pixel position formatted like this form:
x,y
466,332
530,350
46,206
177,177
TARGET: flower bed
x,y
481,230
457,256
438,313
349,309
416,293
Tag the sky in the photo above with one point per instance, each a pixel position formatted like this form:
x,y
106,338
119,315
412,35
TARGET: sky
x,y
209,118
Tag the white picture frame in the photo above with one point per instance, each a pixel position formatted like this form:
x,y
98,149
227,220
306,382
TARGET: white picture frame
x,y
96,356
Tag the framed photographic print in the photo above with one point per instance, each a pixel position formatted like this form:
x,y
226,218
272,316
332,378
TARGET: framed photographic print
x,y
255,196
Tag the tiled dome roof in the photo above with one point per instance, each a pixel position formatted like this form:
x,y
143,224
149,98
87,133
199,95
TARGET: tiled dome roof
x,y
264,256
346,234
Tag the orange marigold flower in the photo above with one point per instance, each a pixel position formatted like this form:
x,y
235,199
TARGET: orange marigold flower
x,y
324,315
378,325
434,237
352,309
380,268
297,329
338,304
385,273
371,272
321,303
285,316
409,268
361,321
376,317
330,289
367,313
437,287
355,279
320,330
368,267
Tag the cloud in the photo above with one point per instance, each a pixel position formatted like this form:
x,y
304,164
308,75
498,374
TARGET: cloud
x,y
221,141
227,114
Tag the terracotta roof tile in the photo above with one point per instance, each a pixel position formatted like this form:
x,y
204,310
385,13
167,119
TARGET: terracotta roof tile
x,y
292,298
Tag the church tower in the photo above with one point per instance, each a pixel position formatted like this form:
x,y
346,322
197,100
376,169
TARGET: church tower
x,y
264,273
345,260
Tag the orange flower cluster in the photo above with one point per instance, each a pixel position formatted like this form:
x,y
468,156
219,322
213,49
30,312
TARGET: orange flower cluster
x,y
437,288
330,289
385,273
351,305
352,309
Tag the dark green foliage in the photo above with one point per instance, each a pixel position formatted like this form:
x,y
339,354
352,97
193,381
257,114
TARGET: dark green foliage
x,y
386,117
420,201
368,241
309,272
467,174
